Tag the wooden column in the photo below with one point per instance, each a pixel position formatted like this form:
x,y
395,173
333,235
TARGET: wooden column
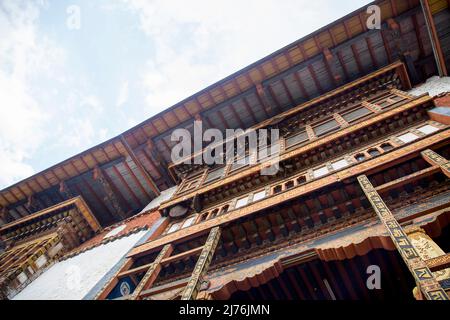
x,y
425,279
436,160
434,39
152,272
201,267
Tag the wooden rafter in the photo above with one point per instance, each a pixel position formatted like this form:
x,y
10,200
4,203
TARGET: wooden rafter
x,y
434,39
140,167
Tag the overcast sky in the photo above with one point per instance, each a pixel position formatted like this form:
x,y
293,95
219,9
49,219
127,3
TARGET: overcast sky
x,y
65,89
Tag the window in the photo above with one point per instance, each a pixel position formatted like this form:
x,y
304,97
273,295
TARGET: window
x,y
224,209
289,184
408,137
242,202
388,101
427,129
214,213
174,227
41,261
188,222
202,217
259,195
296,139
214,175
356,114
277,189
22,277
301,180
387,146
320,172
326,127
360,157
373,152
339,164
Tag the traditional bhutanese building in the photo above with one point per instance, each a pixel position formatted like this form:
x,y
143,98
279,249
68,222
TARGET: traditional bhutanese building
x,y
362,188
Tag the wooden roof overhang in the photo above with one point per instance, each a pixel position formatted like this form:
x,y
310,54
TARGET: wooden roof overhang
x,y
33,242
338,53
289,156
328,58
23,227
392,76
363,139
112,178
368,167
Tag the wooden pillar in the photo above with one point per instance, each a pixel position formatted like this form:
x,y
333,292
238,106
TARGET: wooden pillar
x,y
425,279
201,267
434,39
436,160
152,272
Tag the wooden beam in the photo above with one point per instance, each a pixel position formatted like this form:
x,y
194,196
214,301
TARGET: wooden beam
x,y
436,160
125,183
201,267
425,279
182,255
152,272
110,191
372,165
316,144
330,65
77,201
314,77
434,39
96,196
439,263
140,167
407,179
136,180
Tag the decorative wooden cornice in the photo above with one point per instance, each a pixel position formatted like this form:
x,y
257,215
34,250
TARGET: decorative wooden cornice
x,y
389,158
419,101
397,68
79,203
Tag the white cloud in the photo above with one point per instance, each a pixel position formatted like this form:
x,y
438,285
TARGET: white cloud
x,y
22,120
200,42
123,94
50,106
45,107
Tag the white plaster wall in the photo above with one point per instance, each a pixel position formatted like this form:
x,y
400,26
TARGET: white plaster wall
x,y
434,86
164,196
73,278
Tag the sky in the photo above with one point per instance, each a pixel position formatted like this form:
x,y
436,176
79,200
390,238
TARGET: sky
x,y
76,73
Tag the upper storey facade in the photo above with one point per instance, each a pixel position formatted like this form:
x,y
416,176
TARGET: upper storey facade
x,y
120,176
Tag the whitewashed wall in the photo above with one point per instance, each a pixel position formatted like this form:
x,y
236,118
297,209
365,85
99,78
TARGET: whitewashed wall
x,y
73,278
434,86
